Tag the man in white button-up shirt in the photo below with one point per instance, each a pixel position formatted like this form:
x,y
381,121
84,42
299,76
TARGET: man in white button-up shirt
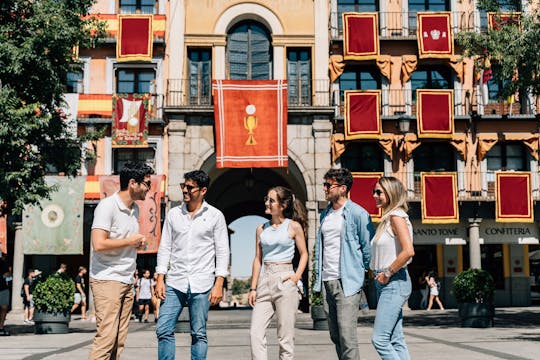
x,y
194,254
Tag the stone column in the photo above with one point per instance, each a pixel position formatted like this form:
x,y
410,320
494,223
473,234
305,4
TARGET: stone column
x,y
18,269
177,146
474,243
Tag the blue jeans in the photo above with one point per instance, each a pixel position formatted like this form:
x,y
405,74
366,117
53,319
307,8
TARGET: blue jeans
x,y
388,338
170,309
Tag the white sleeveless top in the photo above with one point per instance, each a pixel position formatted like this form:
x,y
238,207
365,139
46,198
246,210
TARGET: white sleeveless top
x,y
386,248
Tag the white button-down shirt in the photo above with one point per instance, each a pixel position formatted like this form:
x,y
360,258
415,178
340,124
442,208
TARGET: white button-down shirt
x,y
193,250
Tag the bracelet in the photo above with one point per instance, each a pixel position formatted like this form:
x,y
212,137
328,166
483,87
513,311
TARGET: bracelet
x,y
252,289
388,272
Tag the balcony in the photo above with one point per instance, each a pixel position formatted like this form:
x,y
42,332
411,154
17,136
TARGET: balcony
x,y
98,108
198,94
398,25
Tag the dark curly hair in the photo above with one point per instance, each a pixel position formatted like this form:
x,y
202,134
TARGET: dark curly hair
x,y
342,176
136,170
199,176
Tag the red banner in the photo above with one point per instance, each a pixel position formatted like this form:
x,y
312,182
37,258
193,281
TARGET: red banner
x,y
439,198
130,120
362,114
135,40
496,20
251,123
434,34
149,209
3,234
514,200
435,113
360,36
362,192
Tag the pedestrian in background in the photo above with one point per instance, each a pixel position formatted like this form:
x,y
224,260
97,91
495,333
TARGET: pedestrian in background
x,y
424,290
115,239
194,256
26,293
432,281
276,291
342,253
80,292
156,301
5,273
393,250
144,295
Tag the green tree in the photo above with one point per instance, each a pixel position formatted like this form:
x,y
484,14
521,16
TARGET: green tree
x,y
37,42
512,48
240,286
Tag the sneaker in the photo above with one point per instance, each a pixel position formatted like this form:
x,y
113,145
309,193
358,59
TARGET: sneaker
x,y
29,322
4,332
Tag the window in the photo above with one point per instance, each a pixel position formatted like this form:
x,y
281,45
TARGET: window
x,y
432,77
507,156
363,157
424,5
74,82
299,76
502,6
355,6
434,156
200,76
123,155
495,86
135,81
359,78
249,52
137,6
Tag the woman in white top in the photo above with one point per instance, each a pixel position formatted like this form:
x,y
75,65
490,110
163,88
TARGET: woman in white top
x,y
276,290
392,249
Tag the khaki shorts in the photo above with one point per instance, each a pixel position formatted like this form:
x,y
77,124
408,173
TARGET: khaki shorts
x,y
79,298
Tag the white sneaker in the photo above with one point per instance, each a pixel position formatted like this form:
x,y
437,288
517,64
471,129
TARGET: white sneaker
x,y
29,322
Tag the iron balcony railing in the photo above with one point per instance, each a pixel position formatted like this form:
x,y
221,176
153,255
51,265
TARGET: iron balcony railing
x,y
404,24
301,93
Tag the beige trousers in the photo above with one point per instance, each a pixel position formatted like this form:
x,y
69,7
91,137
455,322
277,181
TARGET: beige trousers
x,y
113,302
274,296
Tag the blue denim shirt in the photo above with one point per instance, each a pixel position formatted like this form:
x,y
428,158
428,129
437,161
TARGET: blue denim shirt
x,y
355,252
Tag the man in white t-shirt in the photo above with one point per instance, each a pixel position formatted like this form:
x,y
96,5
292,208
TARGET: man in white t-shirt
x,y
115,240
194,254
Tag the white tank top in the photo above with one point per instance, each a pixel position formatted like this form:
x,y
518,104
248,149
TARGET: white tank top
x,y
386,248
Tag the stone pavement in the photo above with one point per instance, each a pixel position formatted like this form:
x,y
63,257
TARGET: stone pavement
x,y
430,335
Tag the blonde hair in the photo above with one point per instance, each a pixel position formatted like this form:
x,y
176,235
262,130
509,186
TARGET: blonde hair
x,y
397,199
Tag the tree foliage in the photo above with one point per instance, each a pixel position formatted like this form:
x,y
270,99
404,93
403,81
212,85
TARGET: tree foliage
x,y
512,48
240,287
37,42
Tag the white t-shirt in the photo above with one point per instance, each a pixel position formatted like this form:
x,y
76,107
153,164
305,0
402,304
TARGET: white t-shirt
x,y
145,288
387,247
331,234
114,216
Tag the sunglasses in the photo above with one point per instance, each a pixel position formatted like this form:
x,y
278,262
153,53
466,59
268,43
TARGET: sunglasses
x,y
188,188
330,186
269,199
148,184
378,192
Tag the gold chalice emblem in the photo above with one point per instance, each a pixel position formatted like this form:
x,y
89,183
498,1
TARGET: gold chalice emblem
x,y
250,123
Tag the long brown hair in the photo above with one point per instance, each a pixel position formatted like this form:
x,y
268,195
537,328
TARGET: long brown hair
x,y
293,208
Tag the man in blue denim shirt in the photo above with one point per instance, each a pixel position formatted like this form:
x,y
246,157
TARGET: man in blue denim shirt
x,y
342,254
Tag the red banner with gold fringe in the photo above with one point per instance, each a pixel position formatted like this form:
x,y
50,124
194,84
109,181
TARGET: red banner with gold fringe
x,y
360,36
251,123
362,114
435,113
439,198
131,113
496,20
149,208
135,40
362,192
3,234
434,35
513,197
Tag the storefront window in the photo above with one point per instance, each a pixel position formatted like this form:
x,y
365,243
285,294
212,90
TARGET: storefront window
x,y
491,261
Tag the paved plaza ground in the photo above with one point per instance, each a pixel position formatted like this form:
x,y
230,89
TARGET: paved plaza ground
x,y
430,335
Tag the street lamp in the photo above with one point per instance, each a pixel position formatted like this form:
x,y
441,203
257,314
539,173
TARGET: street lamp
x,y
403,124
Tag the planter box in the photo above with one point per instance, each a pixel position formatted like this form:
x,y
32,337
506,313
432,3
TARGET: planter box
x,y
320,322
51,323
476,315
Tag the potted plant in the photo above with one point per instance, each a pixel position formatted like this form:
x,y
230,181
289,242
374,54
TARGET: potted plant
x,y
474,290
53,299
318,315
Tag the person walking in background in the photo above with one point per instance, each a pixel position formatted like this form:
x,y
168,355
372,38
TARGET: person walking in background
x,y
80,292
424,290
393,250
156,301
342,254
276,290
115,239
62,269
5,273
26,293
433,282
194,254
144,295
135,308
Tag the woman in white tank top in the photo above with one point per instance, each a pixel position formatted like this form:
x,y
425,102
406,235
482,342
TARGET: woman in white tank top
x,y
276,292
392,249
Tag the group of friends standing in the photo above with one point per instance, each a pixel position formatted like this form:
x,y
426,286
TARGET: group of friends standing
x,y
193,257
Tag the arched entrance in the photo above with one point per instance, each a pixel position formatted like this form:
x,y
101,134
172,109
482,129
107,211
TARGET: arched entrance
x,y
240,192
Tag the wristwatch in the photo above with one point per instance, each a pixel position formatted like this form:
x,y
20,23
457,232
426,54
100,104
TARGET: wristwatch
x,y
252,289
388,272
